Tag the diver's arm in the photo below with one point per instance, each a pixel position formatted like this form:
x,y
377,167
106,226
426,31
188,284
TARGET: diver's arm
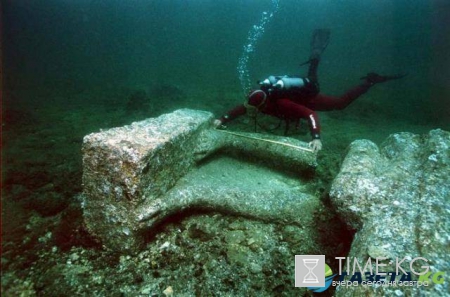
x,y
293,110
231,115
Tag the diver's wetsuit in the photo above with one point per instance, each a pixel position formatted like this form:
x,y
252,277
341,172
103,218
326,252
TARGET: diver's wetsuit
x,y
303,107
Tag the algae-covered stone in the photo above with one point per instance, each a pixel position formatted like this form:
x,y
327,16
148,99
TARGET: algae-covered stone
x,y
132,176
396,197
235,237
239,254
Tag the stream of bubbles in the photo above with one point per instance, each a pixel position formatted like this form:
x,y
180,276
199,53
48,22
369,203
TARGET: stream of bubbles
x,y
254,35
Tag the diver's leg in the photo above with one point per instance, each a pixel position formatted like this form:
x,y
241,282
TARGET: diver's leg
x,y
312,87
327,103
319,41
312,70
324,103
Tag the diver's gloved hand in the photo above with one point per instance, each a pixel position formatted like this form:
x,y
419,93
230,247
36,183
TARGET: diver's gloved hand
x,y
217,123
374,78
315,145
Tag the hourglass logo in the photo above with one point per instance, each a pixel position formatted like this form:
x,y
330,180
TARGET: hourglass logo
x,y
309,270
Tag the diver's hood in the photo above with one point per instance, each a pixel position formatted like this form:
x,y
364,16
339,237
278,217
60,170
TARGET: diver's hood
x,y
257,98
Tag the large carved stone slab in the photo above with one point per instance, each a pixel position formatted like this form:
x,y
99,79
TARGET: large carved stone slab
x,y
397,198
131,174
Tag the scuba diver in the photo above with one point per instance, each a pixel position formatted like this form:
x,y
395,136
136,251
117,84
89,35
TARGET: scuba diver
x,y
293,98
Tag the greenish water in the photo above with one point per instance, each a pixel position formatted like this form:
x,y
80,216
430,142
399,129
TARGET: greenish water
x,y
73,67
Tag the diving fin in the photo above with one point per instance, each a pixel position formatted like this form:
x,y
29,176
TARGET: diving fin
x,y
375,78
319,42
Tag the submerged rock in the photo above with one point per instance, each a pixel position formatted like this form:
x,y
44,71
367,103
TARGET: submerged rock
x,y
132,176
396,197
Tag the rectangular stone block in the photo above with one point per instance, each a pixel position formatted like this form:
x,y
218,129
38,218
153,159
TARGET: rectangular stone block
x,y
123,167
136,162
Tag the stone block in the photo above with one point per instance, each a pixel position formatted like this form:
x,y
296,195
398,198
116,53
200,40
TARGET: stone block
x,y
130,175
396,197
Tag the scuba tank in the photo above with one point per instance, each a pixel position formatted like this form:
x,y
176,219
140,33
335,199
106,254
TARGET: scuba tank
x,y
283,83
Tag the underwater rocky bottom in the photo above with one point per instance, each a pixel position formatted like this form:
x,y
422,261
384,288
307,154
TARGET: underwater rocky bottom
x,y
198,252
191,252
402,183
201,255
